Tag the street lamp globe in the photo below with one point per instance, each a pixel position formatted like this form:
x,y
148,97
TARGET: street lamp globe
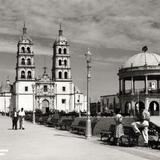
x,y
88,56
33,89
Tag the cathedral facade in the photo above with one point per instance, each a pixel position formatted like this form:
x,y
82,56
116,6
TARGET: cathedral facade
x,y
57,92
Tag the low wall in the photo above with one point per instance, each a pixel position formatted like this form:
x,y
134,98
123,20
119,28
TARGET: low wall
x,y
103,122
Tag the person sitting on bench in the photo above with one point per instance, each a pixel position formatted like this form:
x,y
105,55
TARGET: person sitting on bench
x,y
143,123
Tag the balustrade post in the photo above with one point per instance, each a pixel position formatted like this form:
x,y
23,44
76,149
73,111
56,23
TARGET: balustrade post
x,y
146,84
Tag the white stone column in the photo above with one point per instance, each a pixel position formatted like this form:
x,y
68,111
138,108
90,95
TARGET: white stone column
x,y
132,108
120,87
157,84
132,86
146,84
147,103
123,89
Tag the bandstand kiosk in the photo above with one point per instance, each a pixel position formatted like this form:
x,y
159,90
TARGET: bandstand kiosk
x,y
139,80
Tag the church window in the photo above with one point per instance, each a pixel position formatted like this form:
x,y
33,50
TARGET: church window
x,y
28,50
23,49
60,50
29,76
78,99
28,61
63,89
60,62
63,101
22,74
45,88
65,75
65,50
65,62
23,61
60,75
26,88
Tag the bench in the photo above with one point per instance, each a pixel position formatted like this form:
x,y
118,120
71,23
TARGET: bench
x,y
52,122
80,128
107,133
130,136
65,124
42,120
154,136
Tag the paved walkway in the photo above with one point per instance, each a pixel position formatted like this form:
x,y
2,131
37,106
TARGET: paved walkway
x,y
38,142
156,120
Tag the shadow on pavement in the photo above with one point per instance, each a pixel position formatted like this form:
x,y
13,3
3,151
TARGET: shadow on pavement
x,y
62,135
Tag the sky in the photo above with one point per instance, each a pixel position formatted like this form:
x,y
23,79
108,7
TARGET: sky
x,y
114,30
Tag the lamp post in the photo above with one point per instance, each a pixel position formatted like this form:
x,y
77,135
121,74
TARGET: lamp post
x,y
79,105
5,104
33,89
88,124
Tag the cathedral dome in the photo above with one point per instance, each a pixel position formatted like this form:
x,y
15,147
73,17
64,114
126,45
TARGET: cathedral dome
x,y
25,38
143,59
61,40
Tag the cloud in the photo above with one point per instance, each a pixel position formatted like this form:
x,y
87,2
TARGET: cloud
x,y
114,24
114,30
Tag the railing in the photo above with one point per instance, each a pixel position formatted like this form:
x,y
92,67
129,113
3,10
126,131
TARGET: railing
x,y
140,68
141,92
136,91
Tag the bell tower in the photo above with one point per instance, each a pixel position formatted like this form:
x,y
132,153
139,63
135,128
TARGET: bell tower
x,y
61,68
61,73
25,67
25,72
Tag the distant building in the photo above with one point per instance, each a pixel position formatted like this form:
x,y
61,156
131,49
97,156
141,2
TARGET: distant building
x,y
95,108
5,97
109,103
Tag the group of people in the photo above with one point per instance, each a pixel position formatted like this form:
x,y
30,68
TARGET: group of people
x,y
18,116
142,122
143,118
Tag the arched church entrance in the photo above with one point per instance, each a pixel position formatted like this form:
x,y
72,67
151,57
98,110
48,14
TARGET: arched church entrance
x,y
128,108
45,106
154,108
138,106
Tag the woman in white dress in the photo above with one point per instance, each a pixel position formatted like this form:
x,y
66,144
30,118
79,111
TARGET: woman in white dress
x,y
119,126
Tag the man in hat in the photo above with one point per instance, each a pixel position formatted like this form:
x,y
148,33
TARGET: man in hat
x,y
14,119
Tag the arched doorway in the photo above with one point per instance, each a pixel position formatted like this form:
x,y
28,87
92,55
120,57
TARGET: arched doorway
x,y
128,108
138,106
45,106
154,108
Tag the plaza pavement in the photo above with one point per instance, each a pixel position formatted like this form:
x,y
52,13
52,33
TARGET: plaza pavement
x,y
38,142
